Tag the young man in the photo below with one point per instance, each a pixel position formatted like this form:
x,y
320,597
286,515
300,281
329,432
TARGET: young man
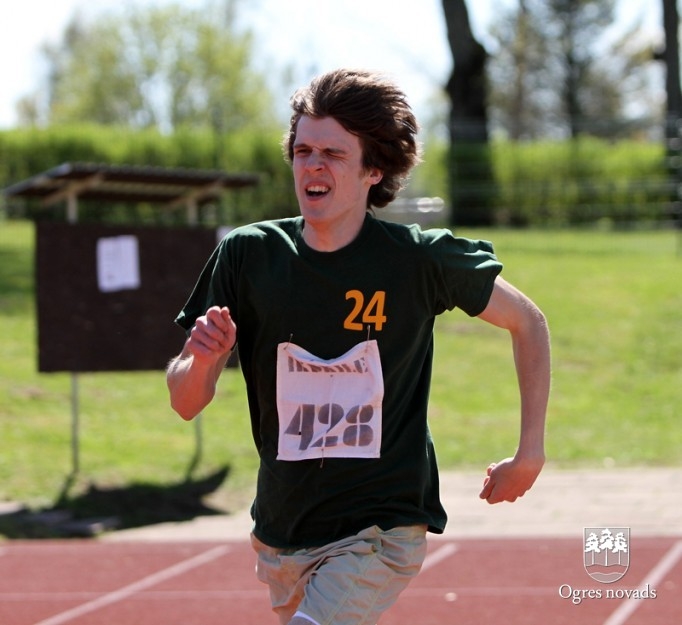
x,y
333,312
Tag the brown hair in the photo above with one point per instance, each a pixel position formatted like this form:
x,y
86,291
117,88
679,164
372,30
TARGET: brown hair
x,y
376,111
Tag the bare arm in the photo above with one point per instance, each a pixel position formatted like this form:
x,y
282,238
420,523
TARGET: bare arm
x,y
510,309
192,376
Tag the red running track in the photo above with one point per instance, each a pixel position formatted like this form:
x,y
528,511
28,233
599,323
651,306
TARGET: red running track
x,y
473,582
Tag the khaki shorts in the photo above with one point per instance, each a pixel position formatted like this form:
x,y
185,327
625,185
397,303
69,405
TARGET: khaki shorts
x,y
349,582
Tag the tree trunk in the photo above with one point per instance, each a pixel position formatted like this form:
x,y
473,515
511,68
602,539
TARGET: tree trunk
x,y
671,21
520,55
470,173
673,123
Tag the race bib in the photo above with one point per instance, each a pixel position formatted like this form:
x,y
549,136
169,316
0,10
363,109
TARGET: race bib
x,y
329,408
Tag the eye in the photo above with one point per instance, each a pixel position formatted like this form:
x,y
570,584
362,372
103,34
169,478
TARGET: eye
x,y
302,151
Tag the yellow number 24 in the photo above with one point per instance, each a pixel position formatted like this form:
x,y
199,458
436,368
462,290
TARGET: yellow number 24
x,y
373,313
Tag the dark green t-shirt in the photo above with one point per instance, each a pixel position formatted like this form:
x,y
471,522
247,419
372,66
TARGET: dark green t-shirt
x,y
386,287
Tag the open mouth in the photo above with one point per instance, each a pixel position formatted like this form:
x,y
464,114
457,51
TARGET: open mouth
x,y
317,190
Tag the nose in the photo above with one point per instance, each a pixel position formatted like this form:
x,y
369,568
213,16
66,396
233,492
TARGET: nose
x,y
314,161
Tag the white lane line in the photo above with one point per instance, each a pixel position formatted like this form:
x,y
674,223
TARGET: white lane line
x,y
131,589
654,577
439,555
150,595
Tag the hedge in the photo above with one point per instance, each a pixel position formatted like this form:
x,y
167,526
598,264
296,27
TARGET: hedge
x,y
541,183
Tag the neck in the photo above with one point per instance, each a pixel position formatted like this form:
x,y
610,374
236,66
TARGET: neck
x,y
326,238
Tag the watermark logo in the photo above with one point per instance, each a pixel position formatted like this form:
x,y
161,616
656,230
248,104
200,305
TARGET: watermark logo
x,y
606,553
606,557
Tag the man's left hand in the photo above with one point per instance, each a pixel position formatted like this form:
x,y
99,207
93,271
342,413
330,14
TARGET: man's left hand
x,y
510,479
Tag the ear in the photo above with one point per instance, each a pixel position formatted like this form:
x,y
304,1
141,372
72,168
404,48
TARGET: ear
x,y
375,176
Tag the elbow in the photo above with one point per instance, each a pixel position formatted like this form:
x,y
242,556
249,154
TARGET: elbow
x,y
532,333
185,413
188,395
541,323
535,321
188,406
184,404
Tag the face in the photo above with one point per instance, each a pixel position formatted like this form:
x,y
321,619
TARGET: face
x,y
331,184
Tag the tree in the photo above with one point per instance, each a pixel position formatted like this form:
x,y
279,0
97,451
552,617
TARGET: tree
x,y
606,543
469,162
154,66
671,56
558,71
592,545
620,545
573,25
516,73
673,120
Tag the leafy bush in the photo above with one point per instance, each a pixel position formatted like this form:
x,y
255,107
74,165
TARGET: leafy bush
x,y
27,152
542,183
569,183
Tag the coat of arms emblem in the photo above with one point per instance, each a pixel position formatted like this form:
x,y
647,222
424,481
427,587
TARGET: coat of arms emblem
x,y
606,553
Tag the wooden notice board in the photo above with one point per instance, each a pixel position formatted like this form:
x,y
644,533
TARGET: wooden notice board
x,y
107,295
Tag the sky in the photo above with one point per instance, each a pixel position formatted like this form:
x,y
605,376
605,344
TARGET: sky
x,y
403,38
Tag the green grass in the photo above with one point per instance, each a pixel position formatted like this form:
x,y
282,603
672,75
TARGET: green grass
x,y
613,300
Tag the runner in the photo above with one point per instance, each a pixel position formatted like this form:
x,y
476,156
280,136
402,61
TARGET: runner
x,y
333,313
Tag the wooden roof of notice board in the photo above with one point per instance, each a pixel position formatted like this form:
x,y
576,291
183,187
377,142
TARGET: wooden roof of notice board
x,y
171,187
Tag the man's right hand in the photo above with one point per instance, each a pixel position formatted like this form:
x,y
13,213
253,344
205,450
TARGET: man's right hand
x,y
213,335
192,376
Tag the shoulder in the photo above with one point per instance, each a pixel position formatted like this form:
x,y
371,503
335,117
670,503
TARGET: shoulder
x,y
433,240
262,233
402,235
262,229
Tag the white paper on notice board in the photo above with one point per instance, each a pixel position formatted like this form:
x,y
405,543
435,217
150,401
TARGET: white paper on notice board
x,y
118,263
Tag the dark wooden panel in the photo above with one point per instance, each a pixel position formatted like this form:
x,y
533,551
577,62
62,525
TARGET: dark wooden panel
x,y
82,328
